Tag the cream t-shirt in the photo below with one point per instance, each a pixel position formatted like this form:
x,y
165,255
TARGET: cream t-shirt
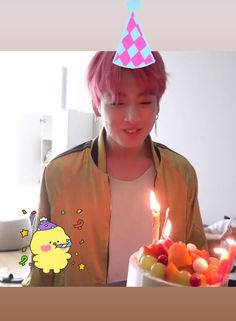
x,y
131,221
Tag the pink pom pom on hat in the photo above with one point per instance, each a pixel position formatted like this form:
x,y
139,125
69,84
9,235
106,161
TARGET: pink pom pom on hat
x,y
133,50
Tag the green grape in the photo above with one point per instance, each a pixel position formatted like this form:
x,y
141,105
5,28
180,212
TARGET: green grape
x,y
158,270
183,278
147,261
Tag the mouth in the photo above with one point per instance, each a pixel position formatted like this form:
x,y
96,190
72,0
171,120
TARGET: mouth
x,y
64,245
132,131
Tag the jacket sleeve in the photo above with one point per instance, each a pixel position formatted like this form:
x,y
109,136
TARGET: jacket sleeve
x,y
195,231
36,276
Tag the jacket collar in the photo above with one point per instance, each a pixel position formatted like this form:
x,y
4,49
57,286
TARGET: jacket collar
x,y
98,151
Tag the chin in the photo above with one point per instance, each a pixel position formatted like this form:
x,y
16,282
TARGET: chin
x,y
132,144
134,141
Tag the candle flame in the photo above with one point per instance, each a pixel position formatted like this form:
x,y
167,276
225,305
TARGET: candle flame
x,y
167,229
167,213
220,250
154,205
231,242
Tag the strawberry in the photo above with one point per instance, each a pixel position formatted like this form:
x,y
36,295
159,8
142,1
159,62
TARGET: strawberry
x,y
165,242
145,250
158,249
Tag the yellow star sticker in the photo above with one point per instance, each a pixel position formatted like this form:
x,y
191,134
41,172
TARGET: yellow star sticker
x,y
24,233
82,266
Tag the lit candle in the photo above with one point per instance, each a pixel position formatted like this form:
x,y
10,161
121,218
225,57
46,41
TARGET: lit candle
x,y
165,236
223,266
167,226
155,208
166,230
232,252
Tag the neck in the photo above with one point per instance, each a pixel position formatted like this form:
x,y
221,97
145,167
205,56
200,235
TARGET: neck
x,y
117,151
128,163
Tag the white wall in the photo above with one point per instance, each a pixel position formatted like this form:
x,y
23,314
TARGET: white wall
x,y
198,119
31,85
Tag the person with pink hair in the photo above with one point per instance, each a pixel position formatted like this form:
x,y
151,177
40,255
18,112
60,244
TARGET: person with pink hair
x,y
109,180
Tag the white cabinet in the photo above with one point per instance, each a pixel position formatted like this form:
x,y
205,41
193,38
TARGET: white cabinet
x,y
28,150
43,137
64,130
70,128
46,139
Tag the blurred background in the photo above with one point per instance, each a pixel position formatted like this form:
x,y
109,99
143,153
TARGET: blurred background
x,y
46,109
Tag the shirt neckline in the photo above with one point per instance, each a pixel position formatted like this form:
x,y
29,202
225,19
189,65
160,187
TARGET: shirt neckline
x,y
145,173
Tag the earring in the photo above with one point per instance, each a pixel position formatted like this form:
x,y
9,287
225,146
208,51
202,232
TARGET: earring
x,y
155,125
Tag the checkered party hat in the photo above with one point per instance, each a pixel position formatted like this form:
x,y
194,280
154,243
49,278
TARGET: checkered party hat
x,y
133,50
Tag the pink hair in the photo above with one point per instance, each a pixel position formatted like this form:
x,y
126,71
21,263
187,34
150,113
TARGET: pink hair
x,y
104,77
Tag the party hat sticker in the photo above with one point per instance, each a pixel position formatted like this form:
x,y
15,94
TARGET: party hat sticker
x,y
49,245
133,50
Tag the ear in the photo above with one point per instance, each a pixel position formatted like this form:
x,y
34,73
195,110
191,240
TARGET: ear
x,y
96,109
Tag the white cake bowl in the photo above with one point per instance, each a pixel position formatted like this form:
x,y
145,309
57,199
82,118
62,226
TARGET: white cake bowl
x,y
138,277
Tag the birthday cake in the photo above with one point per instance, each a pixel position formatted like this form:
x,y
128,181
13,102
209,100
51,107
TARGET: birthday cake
x,y
168,263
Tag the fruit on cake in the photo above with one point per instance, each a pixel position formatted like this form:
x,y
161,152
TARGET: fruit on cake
x,y
168,263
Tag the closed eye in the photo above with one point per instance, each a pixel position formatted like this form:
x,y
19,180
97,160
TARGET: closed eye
x,y
146,102
117,103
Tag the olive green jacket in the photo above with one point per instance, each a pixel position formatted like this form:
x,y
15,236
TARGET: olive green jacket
x,y
75,186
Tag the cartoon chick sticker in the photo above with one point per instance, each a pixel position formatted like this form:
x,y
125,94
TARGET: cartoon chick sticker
x,y
50,245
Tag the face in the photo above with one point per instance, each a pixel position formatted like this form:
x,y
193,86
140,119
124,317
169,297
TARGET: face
x,y
46,241
130,118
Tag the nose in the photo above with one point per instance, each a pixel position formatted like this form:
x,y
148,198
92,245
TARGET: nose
x,y
132,113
